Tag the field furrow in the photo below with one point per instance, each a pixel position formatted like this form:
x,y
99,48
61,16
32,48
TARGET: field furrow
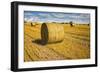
x,y
76,44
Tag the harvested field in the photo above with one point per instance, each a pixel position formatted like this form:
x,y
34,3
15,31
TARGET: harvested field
x,y
76,44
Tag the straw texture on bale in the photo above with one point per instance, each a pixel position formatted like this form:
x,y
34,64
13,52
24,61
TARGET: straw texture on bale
x,y
51,33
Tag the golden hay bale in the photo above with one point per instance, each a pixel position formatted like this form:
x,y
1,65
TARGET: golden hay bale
x,y
51,32
33,24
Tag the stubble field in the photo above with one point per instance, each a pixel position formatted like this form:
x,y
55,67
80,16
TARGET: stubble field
x,y
76,44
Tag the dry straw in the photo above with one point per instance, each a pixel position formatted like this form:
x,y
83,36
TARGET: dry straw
x,y
51,32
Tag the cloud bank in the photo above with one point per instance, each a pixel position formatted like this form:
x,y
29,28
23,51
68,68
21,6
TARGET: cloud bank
x,y
35,16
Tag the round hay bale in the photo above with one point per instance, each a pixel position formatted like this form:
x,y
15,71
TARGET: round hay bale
x,y
51,33
33,24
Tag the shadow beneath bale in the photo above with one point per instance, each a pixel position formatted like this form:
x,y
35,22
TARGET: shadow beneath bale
x,y
40,42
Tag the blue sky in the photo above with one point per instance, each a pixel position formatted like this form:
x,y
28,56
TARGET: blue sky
x,y
37,16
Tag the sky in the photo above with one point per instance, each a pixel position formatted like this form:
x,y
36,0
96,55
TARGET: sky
x,y
38,16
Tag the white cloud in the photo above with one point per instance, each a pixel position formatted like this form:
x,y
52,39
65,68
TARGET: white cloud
x,y
25,19
84,15
73,16
81,16
44,15
35,18
31,19
58,15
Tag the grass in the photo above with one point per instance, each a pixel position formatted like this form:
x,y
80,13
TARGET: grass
x,y
76,44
